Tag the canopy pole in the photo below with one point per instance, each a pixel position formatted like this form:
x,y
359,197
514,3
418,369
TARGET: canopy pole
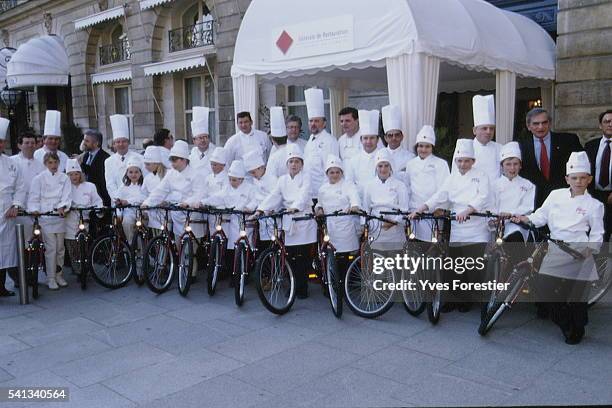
x,y
505,98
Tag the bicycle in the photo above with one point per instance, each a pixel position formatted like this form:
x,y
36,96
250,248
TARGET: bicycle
x,y
187,254
111,257
244,257
602,285
274,278
139,243
218,245
80,262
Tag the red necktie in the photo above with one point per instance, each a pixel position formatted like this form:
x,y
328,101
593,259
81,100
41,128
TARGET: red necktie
x,y
544,164
604,168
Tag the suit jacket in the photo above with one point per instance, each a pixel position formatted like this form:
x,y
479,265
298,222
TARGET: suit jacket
x,y
95,174
561,146
591,148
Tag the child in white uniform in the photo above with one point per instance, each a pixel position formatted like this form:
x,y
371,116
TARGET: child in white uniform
x,y
156,173
131,193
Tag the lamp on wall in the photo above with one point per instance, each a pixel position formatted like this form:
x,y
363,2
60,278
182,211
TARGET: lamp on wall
x,y
10,98
535,103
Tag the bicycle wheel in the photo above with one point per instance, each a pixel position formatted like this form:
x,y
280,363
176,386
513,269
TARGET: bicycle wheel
x,y
435,299
601,286
362,298
334,282
159,264
516,281
215,263
185,266
111,262
493,273
414,302
240,272
83,264
275,281
35,262
139,245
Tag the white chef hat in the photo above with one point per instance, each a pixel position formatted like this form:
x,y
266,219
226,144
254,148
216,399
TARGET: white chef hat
x,y
464,149
133,163
180,150
219,155
578,163
120,126
53,123
277,122
368,122
509,150
383,155
314,103
253,160
483,107
333,161
152,154
4,125
73,165
199,124
392,118
426,135
237,169
294,151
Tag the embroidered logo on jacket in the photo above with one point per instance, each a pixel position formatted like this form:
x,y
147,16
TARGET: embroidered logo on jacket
x,y
581,211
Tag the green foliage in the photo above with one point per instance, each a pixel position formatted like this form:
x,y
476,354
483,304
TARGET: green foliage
x,y
71,138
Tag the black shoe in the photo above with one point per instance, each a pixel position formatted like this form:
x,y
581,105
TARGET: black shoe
x,y
448,307
6,293
574,336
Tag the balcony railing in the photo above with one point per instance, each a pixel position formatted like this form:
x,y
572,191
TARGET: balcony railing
x,y
197,35
6,5
115,52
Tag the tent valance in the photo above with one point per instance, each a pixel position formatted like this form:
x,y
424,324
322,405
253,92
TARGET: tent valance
x,y
94,19
42,61
179,64
113,76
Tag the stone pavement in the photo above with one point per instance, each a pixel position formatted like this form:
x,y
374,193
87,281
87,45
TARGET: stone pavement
x,y
129,347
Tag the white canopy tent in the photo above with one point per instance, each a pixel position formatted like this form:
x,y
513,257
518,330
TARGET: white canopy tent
x,y
42,61
357,44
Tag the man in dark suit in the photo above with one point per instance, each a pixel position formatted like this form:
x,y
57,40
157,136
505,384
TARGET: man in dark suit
x,y
599,154
93,163
545,154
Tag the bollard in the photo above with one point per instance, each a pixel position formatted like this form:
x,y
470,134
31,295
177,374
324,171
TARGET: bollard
x,y
23,284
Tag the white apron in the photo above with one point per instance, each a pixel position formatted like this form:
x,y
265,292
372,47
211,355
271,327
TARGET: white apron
x,y
343,231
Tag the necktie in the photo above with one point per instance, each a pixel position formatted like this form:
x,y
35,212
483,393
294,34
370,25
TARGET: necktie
x,y
89,159
202,155
122,158
544,164
604,169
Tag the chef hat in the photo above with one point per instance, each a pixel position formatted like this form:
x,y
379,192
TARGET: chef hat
x,y
237,169
483,108
383,155
368,122
294,151
152,154
510,149
4,125
73,165
392,118
464,149
277,122
219,155
253,160
333,161
199,124
314,103
53,123
426,135
120,126
578,163
133,163
180,149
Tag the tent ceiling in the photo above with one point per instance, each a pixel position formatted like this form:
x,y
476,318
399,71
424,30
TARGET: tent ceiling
x,y
42,61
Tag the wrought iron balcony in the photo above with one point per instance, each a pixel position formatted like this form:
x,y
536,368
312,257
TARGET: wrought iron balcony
x,y
6,5
115,52
197,35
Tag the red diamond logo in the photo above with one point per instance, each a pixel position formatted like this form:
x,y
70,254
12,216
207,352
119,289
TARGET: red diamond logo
x,y
284,42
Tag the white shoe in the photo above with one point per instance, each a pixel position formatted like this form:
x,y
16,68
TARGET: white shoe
x,y
52,284
59,278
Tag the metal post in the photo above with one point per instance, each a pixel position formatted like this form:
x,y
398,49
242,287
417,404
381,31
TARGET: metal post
x,y
23,284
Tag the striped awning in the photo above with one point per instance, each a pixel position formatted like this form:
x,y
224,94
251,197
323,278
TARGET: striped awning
x,y
113,76
179,64
147,4
97,18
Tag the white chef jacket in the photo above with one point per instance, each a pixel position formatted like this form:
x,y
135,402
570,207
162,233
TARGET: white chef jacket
x,y
315,154
148,185
114,170
240,144
361,169
293,193
516,197
213,183
29,168
241,198
39,155
134,195
12,192
201,161
386,195
575,220
184,187
400,157
486,159
301,142
263,187
343,231
457,193
49,192
277,162
424,178
83,195
350,145
165,155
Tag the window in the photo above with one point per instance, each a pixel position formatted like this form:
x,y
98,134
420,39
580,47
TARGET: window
x,y
123,106
296,105
199,91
